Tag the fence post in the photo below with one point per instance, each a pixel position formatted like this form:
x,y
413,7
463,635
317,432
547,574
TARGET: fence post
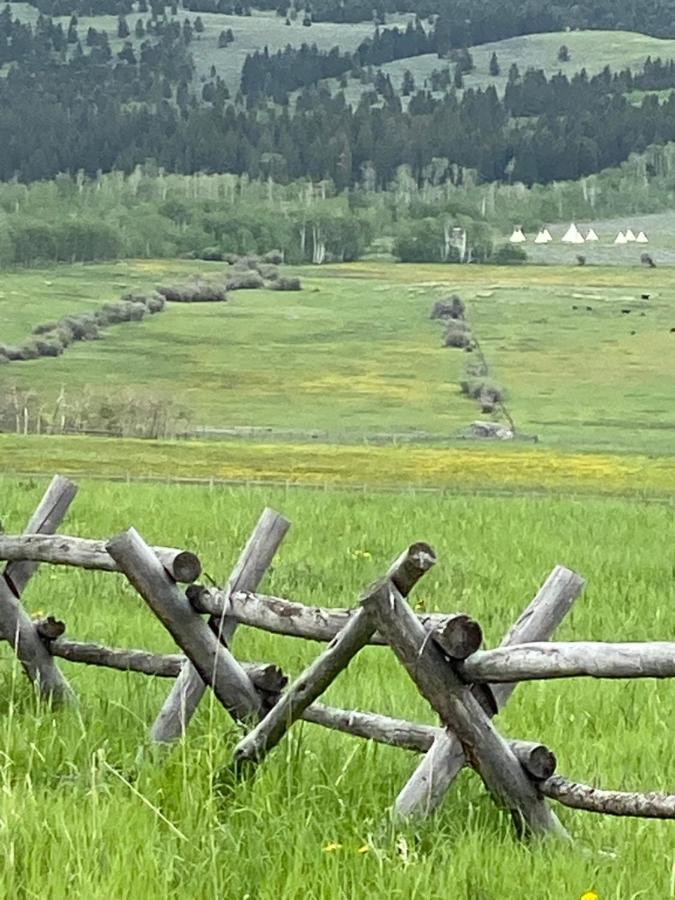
x,y
432,778
188,689
404,573
460,712
215,664
16,625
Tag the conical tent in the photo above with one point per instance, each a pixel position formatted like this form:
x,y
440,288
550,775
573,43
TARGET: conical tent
x,y
541,237
517,237
573,235
547,235
630,237
591,236
642,238
621,238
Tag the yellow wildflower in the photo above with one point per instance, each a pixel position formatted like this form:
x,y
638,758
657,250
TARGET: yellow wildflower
x,y
37,614
590,895
332,846
364,849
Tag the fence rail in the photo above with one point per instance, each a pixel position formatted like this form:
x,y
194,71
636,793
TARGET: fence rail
x,y
465,685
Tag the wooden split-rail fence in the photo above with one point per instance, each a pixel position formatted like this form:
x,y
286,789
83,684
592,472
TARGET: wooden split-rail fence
x,y
465,685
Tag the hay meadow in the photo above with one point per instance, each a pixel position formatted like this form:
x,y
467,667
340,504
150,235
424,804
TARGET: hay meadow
x,y
355,356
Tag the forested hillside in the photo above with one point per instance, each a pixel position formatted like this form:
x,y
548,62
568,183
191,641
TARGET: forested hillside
x,y
78,98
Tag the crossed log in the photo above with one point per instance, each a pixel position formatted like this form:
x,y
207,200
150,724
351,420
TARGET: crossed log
x,y
466,686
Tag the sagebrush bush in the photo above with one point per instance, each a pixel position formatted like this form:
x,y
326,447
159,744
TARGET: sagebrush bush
x,y
286,283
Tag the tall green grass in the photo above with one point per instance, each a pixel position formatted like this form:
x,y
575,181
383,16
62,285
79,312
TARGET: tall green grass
x,y
81,815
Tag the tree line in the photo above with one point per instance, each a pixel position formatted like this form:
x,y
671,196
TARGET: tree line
x,y
66,107
152,213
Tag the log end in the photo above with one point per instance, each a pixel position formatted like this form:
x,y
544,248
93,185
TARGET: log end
x,y
538,761
194,593
49,628
458,636
186,567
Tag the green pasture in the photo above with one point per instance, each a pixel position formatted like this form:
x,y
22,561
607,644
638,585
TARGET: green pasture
x,y
590,50
251,33
84,816
355,355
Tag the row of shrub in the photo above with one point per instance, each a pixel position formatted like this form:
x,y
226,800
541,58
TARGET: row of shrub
x,y
52,338
245,273
476,384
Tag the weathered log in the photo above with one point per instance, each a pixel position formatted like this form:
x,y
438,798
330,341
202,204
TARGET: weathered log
x,y
279,616
265,676
460,712
594,659
213,661
186,694
16,625
459,636
431,780
373,727
610,803
253,748
61,550
51,511
404,572
538,761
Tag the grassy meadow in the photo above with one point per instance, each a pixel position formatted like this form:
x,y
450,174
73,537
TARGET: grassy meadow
x,y
83,815
469,469
589,50
355,354
262,28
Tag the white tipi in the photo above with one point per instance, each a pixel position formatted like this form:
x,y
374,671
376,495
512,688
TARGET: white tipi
x,y
544,236
642,238
591,236
518,237
573,235
630,237
620,238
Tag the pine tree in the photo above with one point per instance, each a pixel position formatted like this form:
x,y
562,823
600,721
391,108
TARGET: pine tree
x,y
127,54
494,66
458,80
199,25
122,28
564,54
72,31
139,29
408,86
